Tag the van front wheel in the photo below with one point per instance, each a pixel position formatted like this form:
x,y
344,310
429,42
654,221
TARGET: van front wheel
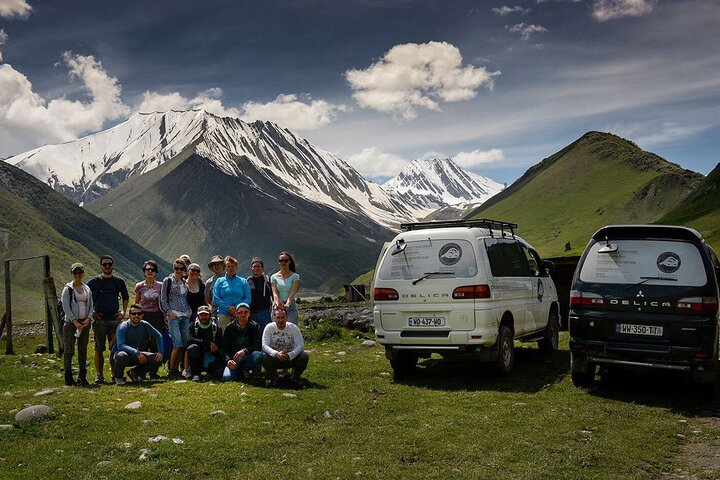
x,y
549,342
506,351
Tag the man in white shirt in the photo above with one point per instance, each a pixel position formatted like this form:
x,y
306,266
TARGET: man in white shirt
x,y
282,345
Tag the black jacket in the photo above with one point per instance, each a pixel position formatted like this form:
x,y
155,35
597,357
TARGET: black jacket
x,y
236,338
203,336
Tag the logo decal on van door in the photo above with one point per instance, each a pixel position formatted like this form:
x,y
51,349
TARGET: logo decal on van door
x,y
668,262
450,254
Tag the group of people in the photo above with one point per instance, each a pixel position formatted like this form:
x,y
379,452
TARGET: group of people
x,y
228,326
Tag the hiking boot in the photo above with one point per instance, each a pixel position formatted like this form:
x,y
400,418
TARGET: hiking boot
x,y
120,381
69,381
271,381
186,374
295,383
134,376
196,378
82,379
99,379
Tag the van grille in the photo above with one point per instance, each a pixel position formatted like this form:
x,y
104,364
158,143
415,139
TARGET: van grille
x,y
425,333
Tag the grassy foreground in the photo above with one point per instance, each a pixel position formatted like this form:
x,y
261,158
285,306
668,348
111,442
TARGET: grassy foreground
x,y
352,420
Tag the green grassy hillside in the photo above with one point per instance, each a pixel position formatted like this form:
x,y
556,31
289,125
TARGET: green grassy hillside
x,y
597,180
701,210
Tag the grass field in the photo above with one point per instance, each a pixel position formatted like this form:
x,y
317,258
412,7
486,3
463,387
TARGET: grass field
x,y
451,420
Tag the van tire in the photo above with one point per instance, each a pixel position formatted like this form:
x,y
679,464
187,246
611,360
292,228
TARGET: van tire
x,y
403,363
505,351
550,340
582,372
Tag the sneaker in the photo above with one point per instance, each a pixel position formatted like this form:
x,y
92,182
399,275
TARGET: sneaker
x,y
186,373
134,376
99,379
196,378
271,381
173,375
120,381
295,383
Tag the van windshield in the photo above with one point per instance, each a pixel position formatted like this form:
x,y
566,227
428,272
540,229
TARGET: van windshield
x,y
444,258
652,262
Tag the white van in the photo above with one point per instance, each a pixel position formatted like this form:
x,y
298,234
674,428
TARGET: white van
x,y
462,286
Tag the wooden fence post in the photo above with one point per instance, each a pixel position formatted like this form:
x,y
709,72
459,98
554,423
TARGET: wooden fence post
x,y
8,312
51,302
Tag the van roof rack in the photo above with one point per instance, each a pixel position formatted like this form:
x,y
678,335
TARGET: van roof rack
x,y
480,222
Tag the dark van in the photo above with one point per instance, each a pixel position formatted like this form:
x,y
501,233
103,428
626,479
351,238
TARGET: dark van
x,y
645,296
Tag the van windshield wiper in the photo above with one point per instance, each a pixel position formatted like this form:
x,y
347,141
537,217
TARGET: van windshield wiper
x,y
426,275
645,279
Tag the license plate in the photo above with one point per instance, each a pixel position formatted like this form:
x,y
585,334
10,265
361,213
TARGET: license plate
x,y
426,321
640,329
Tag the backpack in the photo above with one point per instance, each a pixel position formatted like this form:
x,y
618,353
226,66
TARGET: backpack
x,y
61,310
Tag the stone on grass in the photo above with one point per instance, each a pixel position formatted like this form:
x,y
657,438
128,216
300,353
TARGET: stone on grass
x,y
104,463
342,353
218,412
368,343
158,439
42,393
289,395
178,441
133,405
6,427
352,349
148,422
384,374
327,414
337,361
144,452
33,412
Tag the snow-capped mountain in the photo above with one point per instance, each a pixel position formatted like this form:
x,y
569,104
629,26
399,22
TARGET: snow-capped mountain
x,y
439,182
86,169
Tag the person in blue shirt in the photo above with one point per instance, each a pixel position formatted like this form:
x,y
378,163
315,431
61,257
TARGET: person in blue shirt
x,y
228,291
126,349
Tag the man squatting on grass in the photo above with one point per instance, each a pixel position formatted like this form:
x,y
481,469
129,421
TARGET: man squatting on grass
x,y
205,346
126,349
242,344
283,347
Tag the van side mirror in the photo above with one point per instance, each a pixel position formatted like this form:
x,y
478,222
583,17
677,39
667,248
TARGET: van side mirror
x,y
548,267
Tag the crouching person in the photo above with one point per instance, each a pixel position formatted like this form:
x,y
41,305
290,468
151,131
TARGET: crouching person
x,y
282,345
242,344
126,349
204,342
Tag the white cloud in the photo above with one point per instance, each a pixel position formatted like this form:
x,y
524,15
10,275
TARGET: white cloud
x,y
525,30
505,10
478,157
604,10
371,163
413,75
15,8
209,100
290,112
27,118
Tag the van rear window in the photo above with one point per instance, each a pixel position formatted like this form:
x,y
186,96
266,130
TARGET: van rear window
x,y
450,258
668,262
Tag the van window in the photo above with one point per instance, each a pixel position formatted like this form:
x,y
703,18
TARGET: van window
x,y
532,260
452,258
506,258
677,260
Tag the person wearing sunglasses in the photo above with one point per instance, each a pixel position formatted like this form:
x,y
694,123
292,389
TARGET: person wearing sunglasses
x,y
285,285
147,295
228,291
77,304
174,303
127,349
107,290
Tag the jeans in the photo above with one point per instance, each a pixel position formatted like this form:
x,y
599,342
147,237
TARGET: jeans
x,y
251,362
178,331
120,360
201,359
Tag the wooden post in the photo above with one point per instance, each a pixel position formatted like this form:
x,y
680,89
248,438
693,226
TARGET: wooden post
x,y
8,312
51,302
2,325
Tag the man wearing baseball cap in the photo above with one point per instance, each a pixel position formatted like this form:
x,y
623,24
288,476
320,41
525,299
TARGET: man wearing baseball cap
x,y
205,346
242,342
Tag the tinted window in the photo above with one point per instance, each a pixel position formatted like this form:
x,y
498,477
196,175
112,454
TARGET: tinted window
x,y
452,258
532,261
677,261
506,258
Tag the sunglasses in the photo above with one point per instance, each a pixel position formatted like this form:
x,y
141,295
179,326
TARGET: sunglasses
x,y
107,264
196,270
136,314
284,260
180,269
150,270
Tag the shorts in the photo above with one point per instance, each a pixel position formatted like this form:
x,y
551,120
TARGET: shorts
x,y
178,331
104,330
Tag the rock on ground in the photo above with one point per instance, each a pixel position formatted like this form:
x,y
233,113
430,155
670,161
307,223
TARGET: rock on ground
x,y
33,412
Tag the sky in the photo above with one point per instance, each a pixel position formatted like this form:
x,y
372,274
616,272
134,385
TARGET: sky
x,y
495,85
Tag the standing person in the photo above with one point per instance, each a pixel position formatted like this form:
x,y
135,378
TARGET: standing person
x,y
242,342
77,304
106,290
216,266
147,295
283,347
126,350
228,291
285,285
260,292
187,261
174,303
196,289
205,346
